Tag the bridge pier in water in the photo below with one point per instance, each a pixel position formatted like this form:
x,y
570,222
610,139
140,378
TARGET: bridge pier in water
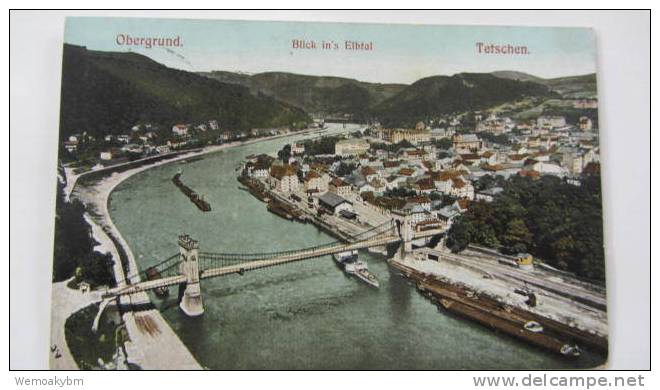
x,y
191,299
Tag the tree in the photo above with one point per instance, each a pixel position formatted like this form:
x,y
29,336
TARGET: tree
x,y
459,235
285,153
443,143
564,250
73,253
517,235
404,144
345,169
325,145
399,192
501,139
557,222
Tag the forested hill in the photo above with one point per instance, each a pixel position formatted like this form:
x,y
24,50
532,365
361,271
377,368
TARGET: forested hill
x,y
438,95
108,92
315,94
583,86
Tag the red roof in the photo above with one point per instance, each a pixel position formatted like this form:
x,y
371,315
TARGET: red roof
x,y
312,175
458,183
337,182
529,173
463,203
419,199
279,171
366,171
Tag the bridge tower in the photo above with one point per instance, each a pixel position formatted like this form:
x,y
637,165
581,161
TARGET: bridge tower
x,y
191,301
407,233
405,230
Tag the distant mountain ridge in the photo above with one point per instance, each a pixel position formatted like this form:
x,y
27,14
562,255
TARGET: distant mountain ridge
x,y
439,95
401,104
581,86
315,94
108,92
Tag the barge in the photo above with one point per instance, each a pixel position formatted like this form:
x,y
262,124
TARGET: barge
x,y
285,210
199,201
254,187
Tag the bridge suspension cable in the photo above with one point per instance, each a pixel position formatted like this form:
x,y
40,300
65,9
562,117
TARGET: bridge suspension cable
x,y
214,259
162,267
208,260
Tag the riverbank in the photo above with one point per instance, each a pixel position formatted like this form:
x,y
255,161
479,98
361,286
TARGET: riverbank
x,y
570,312
72,177
293,305
153,344
493,303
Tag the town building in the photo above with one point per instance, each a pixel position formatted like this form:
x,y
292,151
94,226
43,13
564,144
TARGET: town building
x,y
585,123
585,103
573,162
414,136
297,148
489,194
284,178
180,129
335,203
466,143
259,169
495,126
544,168
314,182
551,121
461,188
70,146
351,147
339,187
107,155
369,173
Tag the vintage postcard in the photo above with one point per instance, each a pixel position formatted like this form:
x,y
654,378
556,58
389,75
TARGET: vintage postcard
x,y
290,196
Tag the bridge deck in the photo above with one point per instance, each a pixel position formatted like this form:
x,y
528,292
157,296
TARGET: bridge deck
x,y
280,260
265,262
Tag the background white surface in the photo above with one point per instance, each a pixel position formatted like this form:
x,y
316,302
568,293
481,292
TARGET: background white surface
x,y
624,100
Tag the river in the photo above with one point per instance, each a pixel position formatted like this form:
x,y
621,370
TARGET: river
x,y
302,316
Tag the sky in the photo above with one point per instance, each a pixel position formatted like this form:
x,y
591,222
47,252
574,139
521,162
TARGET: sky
x,y
402,53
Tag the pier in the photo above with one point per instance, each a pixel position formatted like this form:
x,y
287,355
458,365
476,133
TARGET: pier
x,y
490,310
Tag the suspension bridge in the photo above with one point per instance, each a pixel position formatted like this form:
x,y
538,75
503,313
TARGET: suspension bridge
x,y
188,267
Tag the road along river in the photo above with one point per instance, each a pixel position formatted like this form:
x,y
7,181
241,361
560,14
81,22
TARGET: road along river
x,y
302,316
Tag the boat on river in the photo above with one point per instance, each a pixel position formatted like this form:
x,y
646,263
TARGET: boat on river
x,y
349,262
198,200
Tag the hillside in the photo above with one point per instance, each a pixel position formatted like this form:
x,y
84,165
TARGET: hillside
x,y
108,92
520,76
438,95
583,86
314,94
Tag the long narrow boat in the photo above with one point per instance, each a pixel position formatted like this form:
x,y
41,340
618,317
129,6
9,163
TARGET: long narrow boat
x,y
200,202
